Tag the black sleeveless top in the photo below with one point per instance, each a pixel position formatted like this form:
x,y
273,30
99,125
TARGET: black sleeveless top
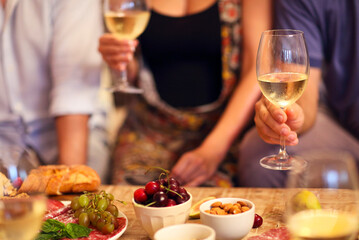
x,y
184,55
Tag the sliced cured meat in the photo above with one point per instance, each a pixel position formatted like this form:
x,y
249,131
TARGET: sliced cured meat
x,y
63,213
67,216
97,235
281,233
53,205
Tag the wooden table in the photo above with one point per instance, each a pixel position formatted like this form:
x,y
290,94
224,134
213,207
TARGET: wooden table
x,y
269,204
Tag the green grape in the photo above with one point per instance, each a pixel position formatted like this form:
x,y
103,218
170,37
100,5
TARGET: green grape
x,y
110,197
112,209
102,204
107,228
94,217
84,200
75,203
100,223
84,219
79,211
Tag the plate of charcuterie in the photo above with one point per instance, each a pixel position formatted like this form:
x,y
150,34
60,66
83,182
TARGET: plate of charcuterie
x,y
62,211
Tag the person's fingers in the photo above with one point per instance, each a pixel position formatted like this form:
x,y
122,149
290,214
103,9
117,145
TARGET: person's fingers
x,y
123,57
266,123
178,169
196,181
109,39
115,50
295,117
265,132
277,113
292,139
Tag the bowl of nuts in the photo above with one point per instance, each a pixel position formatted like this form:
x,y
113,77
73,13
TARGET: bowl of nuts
x,y
231,218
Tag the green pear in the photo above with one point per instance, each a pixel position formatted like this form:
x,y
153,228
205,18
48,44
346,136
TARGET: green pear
x,y
305,200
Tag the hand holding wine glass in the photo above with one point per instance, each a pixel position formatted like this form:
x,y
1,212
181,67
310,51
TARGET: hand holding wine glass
x,y
126,19
323,197
282,71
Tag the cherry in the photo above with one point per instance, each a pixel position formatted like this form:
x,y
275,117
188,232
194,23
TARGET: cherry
x,y
152,187
173,181
171,202
174,189
182,190
163,182
258,220
140,195
17,182
160,198
182,198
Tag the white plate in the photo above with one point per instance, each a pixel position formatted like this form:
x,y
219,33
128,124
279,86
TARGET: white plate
x,y
120,214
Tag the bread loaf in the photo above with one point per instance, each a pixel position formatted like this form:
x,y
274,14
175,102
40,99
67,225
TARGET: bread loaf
x,y
59,179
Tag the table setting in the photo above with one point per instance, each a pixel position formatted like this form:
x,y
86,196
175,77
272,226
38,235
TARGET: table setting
x,y
320,200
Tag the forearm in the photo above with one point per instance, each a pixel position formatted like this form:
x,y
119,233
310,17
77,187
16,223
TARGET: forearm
x,y
72,132
310,99
256,18
235,117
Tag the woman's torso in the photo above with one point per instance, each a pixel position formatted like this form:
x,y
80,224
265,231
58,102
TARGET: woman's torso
x,y
182,48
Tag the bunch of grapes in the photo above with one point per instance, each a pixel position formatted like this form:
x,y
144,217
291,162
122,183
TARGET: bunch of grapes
x,y
97,210
164,192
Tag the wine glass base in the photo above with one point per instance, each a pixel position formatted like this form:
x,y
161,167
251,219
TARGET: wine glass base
x,y
126,89
273,162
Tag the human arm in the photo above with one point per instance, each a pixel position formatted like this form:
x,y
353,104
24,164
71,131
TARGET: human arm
x,y
299,117
195,167
72,131
75,73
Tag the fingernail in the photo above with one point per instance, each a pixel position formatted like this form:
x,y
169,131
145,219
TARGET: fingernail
x,y
279,118
291,137
284,131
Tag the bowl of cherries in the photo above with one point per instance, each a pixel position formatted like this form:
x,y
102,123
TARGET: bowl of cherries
x,y
161,203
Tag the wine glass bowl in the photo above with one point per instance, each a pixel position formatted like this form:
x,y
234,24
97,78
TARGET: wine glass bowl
x,y
282,71
323,197
126,19
21,218
20,214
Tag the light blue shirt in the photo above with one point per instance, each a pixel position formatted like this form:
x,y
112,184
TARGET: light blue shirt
x,y
49,64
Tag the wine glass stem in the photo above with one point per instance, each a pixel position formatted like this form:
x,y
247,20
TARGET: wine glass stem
x,y
123,78
119,78
282,155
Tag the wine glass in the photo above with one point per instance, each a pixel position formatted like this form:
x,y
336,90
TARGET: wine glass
x,y
21,218
126,19
20,215
282,72
323,197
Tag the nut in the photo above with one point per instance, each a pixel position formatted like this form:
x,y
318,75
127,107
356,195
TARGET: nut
x,y
218,208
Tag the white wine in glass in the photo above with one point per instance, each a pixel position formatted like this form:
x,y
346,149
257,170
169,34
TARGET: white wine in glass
x,y
126,19
323,198
282,72
21,218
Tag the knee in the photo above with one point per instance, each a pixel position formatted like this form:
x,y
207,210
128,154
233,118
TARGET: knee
x,y
249,172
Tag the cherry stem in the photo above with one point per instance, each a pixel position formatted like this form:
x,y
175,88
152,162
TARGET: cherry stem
x,y
150,204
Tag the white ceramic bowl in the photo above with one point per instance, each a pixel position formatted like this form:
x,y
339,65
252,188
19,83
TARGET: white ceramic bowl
x,y
154,218
188,231
228,227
